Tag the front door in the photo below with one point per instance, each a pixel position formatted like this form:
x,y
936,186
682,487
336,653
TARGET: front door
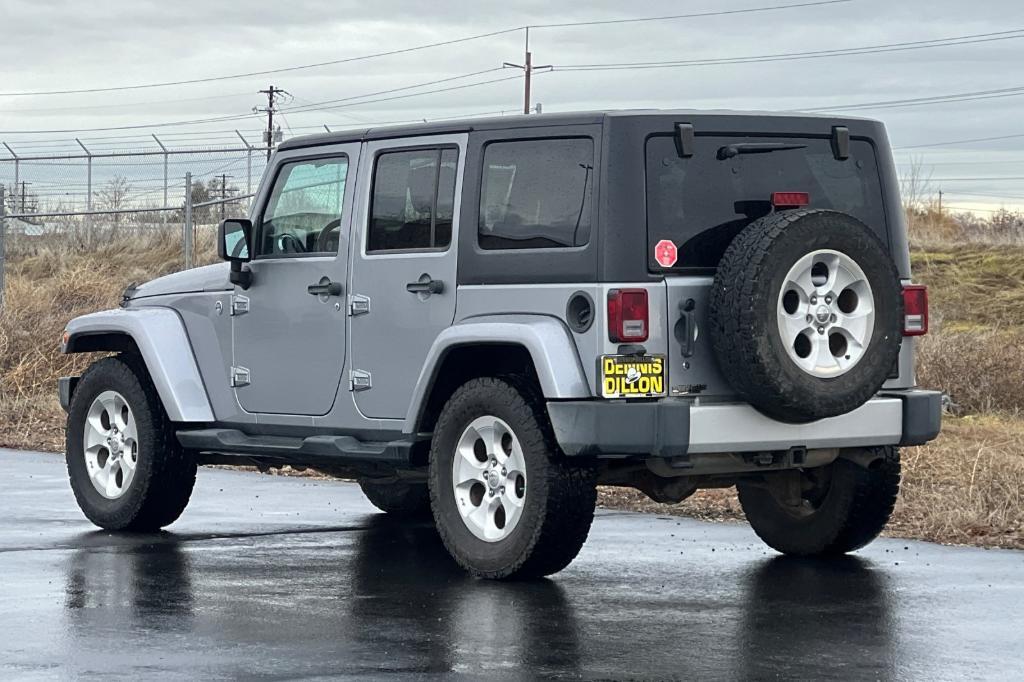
x,y
289,326
403,268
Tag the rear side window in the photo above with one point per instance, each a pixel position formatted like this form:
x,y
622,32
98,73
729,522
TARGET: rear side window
x,y
536,193
703,201
413,200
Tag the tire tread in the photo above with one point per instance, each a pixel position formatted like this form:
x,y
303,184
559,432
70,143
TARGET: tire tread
x,y
571,490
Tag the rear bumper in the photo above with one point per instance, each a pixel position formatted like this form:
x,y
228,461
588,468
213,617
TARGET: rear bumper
x,y
674,427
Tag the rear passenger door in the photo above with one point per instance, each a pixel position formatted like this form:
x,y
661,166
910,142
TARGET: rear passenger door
x,y
403,267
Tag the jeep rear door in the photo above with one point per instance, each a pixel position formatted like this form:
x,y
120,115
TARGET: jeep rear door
x,y
700,201
403,265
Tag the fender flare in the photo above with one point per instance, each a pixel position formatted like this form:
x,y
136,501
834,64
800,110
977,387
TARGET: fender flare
x,y
545,338
160,336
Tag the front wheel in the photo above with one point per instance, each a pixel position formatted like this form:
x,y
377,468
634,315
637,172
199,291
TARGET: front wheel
x,y
827,510
505,501
127,469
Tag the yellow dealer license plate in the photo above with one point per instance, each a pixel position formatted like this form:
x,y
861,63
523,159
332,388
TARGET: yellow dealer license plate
x,y
632,376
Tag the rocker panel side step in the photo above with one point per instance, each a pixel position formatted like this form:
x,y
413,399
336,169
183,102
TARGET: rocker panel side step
x,y
309,449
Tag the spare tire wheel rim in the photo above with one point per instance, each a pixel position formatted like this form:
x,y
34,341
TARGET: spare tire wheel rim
x,y
826,313
111,444
489,478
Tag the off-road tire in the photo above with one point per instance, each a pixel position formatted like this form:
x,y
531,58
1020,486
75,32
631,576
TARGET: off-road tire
x,y
743,327
165,472
398,497
560,496
853,512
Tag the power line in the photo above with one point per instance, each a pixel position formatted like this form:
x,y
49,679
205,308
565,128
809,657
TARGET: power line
x,y
266,72
318,105
164,124
930,164
795,56
984,194
989,179
389,53
693,15
956,142
123,105
923,101
344,102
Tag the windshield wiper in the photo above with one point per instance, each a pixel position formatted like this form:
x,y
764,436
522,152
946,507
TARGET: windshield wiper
x,y
733,150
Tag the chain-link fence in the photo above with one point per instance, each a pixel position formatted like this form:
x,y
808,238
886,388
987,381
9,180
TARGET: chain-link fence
x,y
96,196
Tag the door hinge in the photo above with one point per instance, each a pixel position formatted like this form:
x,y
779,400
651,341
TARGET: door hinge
x,y
359,380
358,304
239,377
239,304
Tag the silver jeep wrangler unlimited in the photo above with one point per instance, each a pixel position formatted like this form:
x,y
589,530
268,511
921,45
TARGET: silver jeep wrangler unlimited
x,y
484,320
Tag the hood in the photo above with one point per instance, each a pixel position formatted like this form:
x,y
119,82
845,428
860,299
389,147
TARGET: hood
x,y
208,278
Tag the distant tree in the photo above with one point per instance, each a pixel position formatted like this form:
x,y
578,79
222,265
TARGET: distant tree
x,y
114,197
1007,225
200,194
916,186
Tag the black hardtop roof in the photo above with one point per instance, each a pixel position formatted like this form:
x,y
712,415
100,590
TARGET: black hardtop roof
x,y
555,119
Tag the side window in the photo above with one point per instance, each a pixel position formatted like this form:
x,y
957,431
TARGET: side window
x,y
303,214
536,193
413,200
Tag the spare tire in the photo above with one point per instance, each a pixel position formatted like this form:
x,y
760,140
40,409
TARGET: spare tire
x,y
805,314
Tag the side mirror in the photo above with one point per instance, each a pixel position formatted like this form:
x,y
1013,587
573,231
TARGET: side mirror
x,y
234,240
234,244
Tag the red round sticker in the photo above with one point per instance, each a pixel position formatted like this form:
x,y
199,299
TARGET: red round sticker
x,y
666,253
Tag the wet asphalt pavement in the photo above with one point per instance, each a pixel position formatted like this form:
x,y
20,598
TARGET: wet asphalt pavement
x,y
271,577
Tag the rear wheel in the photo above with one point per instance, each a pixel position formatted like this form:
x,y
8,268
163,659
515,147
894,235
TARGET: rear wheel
x,y
127,470
827,510
505,501
398,497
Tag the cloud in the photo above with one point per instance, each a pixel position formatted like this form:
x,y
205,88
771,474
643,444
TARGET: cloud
x,y
68,44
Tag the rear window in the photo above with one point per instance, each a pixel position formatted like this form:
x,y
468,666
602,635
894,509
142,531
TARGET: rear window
x,y
702,202
536,193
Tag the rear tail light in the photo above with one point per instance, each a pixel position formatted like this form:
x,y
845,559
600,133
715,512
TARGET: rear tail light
x,y
628,318
915,310
790,199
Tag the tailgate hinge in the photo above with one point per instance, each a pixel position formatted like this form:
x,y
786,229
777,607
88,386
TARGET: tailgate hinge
x,y
359,380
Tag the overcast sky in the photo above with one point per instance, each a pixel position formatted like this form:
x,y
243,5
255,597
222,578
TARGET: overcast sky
x,y
56,45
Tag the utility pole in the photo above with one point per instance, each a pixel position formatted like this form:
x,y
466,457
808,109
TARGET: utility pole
x,y
528,69
224,193
272,94
24,195
940,203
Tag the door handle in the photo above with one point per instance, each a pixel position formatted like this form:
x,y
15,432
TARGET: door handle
x,y
686,328
425,286
325,288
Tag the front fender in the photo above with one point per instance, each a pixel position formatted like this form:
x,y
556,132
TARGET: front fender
x,y
160,336
545,338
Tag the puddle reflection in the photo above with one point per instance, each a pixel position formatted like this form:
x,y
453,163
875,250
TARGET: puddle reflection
x,y
809,617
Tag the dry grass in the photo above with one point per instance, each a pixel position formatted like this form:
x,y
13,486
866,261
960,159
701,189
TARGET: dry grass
x,y
48,283
973,286
965,488
973,352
